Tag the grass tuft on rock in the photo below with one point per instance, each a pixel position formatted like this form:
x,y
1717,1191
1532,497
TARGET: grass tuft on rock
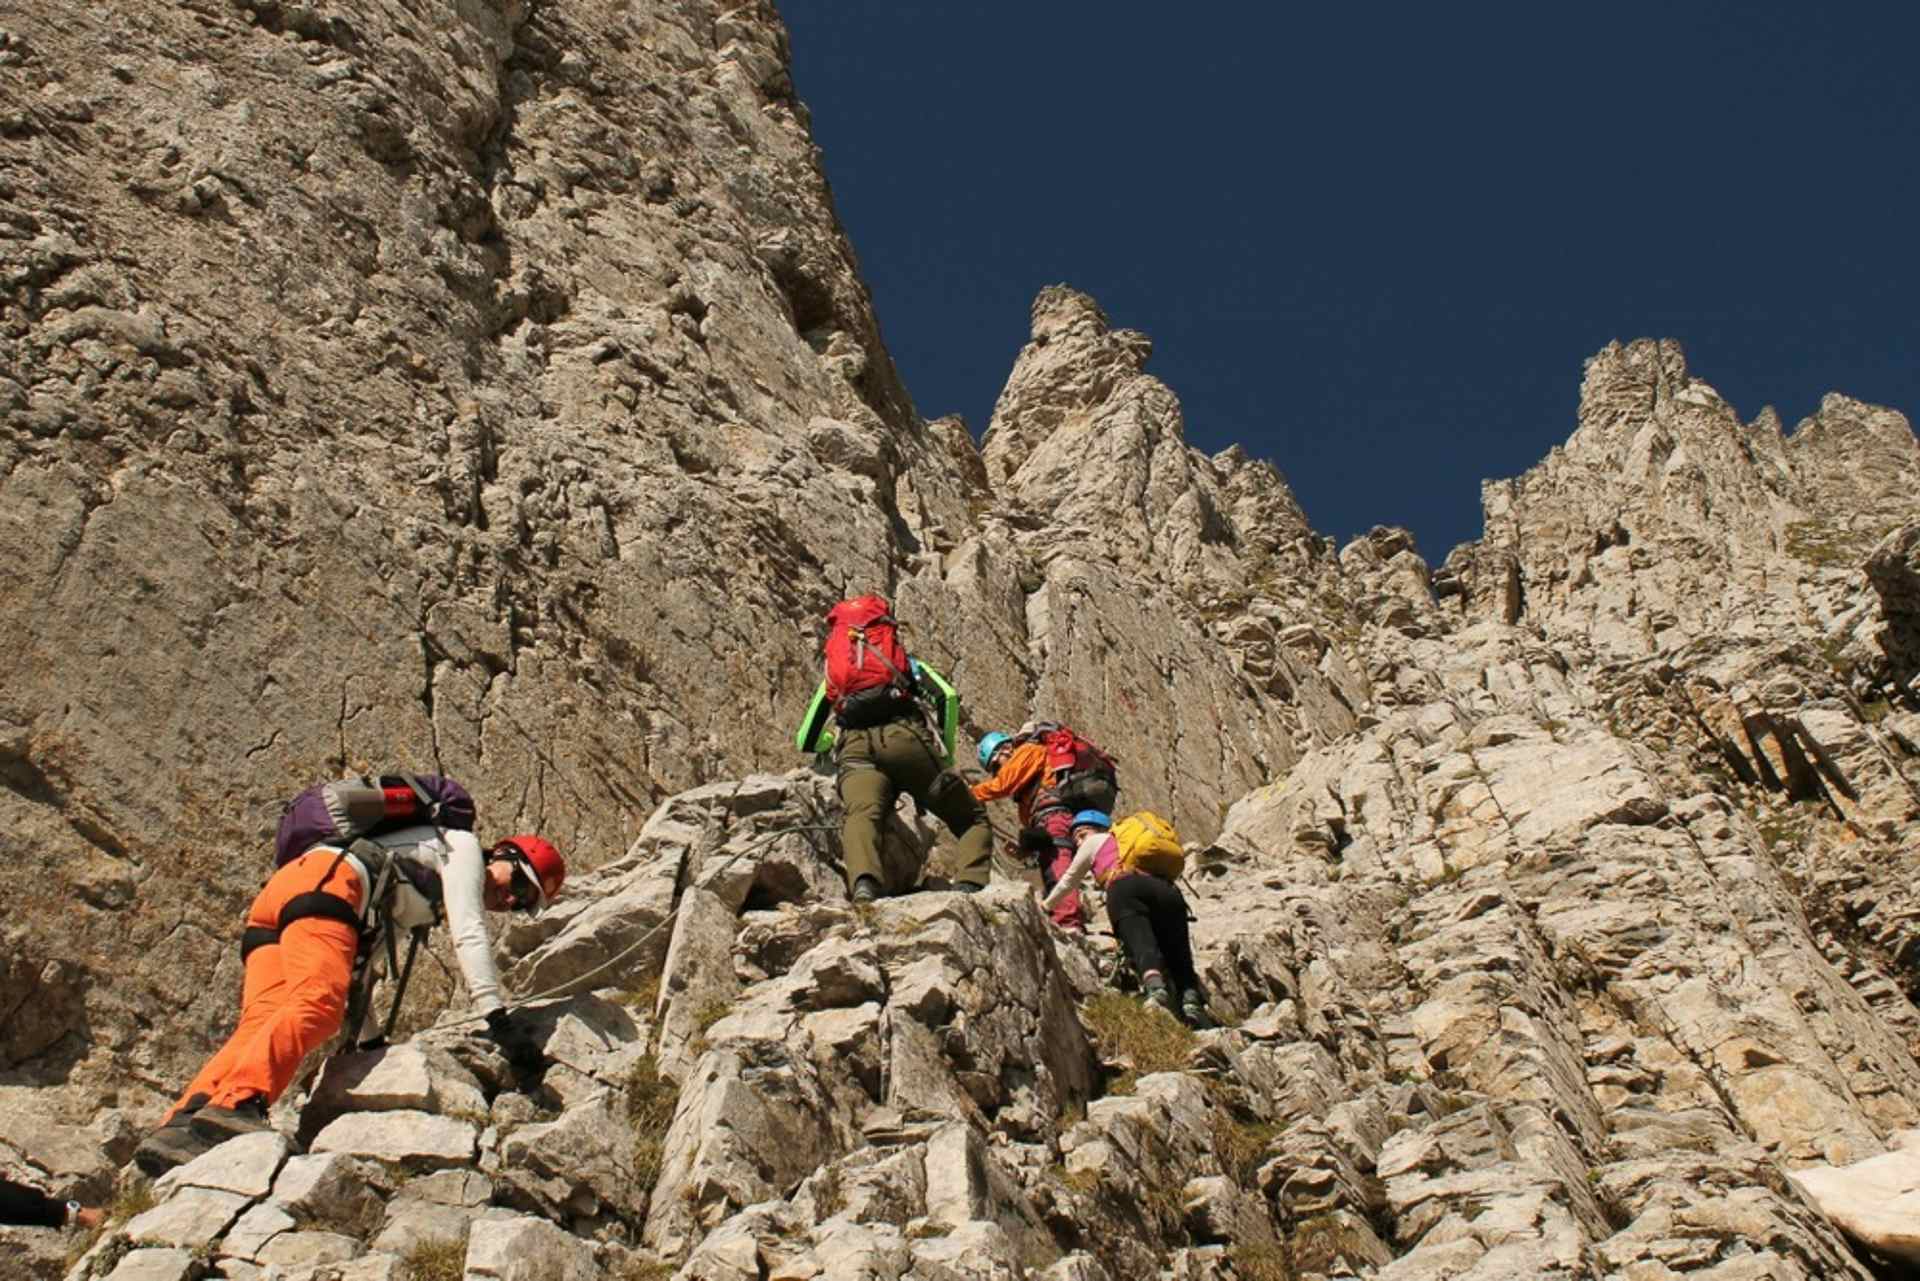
x,y
1262,1262
635,1269
704,1018
651,1099
1085,1182
829,1193
442,1259
710,1013
1149,1039
1241,1146
643,996
1241,1138
134,1199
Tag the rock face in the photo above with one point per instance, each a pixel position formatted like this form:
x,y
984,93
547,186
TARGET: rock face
x,y
497,394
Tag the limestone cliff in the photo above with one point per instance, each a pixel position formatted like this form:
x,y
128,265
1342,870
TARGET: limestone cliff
x,y
490,392
491,388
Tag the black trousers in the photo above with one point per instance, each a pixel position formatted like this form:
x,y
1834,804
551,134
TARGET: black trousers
x,y
29,1206
1149,914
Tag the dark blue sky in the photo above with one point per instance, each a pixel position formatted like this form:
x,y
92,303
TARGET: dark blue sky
x,y
1375,242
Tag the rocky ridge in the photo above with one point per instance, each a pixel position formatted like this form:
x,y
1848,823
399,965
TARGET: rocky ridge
x,y
499,393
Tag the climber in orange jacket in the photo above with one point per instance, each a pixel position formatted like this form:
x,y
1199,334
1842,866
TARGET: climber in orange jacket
x,y
302,939
1036,769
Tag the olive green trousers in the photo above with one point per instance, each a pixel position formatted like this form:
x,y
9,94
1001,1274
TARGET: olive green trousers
x,y
880,762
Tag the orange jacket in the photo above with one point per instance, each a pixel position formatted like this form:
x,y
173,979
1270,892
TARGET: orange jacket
x,y
1020,777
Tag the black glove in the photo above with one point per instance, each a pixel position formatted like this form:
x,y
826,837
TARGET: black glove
x,y
1037,845
516,1040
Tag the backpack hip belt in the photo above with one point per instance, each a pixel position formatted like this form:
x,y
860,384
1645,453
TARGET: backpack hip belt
x,y
871,707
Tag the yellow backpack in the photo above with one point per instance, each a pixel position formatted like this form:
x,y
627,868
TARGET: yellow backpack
x,y
1148,843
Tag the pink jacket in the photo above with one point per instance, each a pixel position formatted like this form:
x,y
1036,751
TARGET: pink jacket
x,y
1099,853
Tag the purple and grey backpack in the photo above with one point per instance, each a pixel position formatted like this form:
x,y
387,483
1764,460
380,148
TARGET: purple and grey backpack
x,y
340,812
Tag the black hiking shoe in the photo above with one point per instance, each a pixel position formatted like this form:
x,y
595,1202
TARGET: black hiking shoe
x,y
865,889
172,1144
217,1125
966,887
1156,993
1193,1009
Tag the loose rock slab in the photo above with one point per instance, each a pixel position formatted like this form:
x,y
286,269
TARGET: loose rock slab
x,y
507,1248
245,1165
154,1265
191,1219
413,1139
1876,1201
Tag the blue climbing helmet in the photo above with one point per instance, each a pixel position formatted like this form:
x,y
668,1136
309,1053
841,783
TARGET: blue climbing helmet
x,y
1091,818
988,746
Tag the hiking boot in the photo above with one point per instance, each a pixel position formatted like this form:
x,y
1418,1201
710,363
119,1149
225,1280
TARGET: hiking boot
x,y
1193,1008
966,887
1156,993
865,890
217,1125
172,1144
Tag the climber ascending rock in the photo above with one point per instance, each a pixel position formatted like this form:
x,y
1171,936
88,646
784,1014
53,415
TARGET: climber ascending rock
x,y
1050,771
893,721
1137,864
358,860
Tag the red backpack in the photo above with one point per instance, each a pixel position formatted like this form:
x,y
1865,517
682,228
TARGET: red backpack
x,y
1081,775
869,676
1068,753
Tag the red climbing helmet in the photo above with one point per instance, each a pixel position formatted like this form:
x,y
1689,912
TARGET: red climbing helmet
x,y
547,871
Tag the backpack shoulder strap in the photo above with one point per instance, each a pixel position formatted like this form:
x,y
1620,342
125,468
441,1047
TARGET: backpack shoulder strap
x,y
900,678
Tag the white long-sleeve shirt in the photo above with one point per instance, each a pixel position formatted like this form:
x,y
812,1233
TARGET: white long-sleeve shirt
x,y
456,858
1083,856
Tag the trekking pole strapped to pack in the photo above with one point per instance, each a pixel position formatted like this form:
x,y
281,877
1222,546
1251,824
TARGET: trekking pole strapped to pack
x,y
415,939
